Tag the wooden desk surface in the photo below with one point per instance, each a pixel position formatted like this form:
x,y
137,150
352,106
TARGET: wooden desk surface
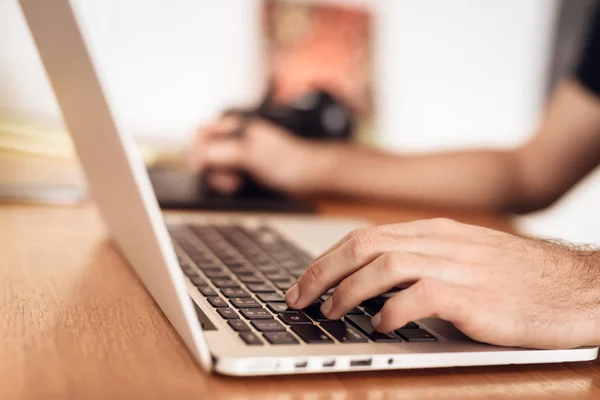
x,y
75,322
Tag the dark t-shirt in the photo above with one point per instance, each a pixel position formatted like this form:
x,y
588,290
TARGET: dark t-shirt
x,y
588,69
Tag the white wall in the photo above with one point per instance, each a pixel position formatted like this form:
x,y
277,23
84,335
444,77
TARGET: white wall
x,y
169,64
461,73
449,73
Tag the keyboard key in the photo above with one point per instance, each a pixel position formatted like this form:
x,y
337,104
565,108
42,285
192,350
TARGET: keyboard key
x,y
242,270
188,249
267,297
202,230
233,262
314,311
225,283
238,325
231,255
217,302
221,250
227,313
210,267
343,332
416,335
297,272
268,325
363,322
196,280
374,305
234,292
217,274
284,285
251,278
207,265
246,302
410,325
260,287
280,338
196,256
255,313
189,271
207,291
254,255
201,259
307,260
294,318
280,308
277,276
250,250
267,268
311,334
250,338
284,257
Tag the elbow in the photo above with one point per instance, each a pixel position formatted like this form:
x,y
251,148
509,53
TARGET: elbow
x,y
534,198
532,188
530,204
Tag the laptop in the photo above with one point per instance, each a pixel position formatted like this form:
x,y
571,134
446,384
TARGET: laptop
x,y
220,280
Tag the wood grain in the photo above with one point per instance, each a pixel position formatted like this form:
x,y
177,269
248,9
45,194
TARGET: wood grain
x,y
76,323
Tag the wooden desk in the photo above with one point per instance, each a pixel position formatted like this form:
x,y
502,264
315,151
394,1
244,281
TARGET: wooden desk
x,y
75,323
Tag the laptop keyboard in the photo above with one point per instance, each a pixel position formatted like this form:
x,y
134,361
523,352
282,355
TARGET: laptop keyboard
x,y
244,273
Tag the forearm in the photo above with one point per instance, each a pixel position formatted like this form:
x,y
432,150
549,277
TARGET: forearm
x,y
566,148
481,179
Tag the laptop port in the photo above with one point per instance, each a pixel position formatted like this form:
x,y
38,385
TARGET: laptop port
x,y
329,363
361,363
301,364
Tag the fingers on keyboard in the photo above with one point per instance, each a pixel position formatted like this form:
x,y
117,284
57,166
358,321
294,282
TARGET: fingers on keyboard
x,y
252,269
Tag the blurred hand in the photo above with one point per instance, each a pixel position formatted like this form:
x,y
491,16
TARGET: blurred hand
x,y
270,154
495,287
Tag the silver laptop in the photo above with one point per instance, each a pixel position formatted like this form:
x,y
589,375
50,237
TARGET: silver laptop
x,y
221,281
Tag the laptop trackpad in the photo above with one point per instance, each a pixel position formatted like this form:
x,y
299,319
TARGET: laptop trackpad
x,y
315,234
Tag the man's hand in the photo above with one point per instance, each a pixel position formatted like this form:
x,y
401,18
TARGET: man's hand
x,y
495,287
268,153
566,148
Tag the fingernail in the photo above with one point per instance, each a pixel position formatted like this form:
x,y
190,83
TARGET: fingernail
x,y
327,306
376,320
292,294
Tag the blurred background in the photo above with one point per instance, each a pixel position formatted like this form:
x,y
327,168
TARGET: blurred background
x,y
419,76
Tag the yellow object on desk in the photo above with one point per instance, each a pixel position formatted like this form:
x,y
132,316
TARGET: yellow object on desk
x,y
54,143
36,141
54,176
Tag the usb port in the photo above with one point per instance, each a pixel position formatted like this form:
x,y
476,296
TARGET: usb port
x,y
329,363
360,363
301,364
